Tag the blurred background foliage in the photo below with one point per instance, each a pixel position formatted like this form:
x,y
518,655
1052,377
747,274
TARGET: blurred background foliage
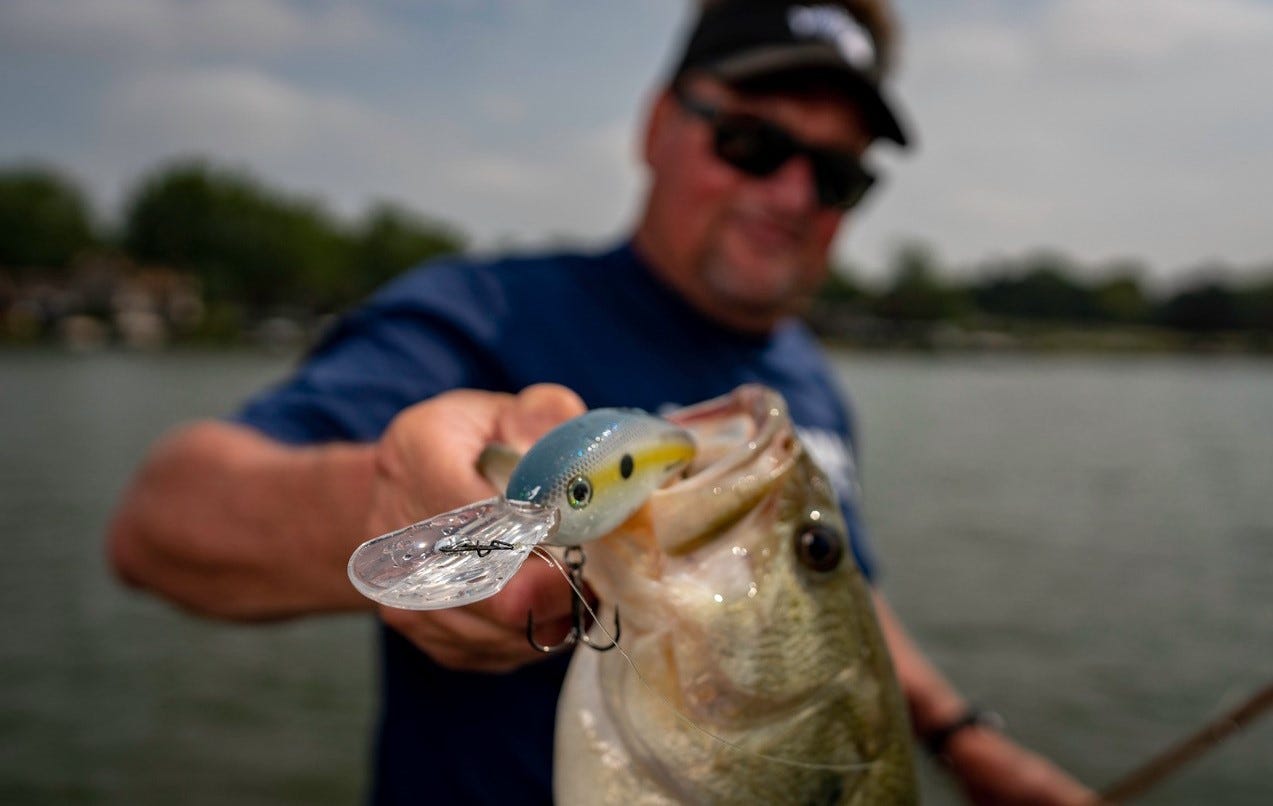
x,y
202,251
44,219
228,253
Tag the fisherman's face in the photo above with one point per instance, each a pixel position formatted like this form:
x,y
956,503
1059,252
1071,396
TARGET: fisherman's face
x,y
746,250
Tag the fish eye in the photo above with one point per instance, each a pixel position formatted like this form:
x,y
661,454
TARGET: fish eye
x,y
625,466
818,548
579,492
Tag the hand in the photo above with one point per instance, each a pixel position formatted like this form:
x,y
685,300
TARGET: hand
x,y
994,771
426,465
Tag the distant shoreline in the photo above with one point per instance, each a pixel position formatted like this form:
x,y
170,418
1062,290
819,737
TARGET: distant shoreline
x,y
289,338
1035,340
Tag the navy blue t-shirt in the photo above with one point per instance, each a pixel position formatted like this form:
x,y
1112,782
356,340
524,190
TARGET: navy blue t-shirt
x,y
600,324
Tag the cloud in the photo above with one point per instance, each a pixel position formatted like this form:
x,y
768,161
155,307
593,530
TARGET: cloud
x,y
1158,33
334,146
503,109
234,109
194,27
1136,128
304,137
499,174
580,185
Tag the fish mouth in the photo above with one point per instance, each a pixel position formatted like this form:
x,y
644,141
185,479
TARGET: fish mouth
x,y
745,444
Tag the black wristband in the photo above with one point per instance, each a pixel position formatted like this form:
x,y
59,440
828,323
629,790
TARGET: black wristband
x,y
935,742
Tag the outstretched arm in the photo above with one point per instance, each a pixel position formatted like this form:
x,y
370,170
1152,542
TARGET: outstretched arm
x,y
229,523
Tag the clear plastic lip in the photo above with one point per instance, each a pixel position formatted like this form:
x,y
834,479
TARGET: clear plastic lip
x,y
452,559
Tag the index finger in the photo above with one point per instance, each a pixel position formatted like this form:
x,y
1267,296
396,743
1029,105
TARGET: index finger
x,y
426,460
534,411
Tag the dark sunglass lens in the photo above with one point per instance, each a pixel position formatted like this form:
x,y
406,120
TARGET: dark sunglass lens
x,y
752,145
758,147
841,181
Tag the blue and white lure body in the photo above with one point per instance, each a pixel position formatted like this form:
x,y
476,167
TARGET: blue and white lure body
x,y
576,484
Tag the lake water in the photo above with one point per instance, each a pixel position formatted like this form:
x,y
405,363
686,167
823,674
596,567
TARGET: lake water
x,y
1083,544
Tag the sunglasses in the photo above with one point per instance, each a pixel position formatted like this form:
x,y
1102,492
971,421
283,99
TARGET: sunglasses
x,y
758,147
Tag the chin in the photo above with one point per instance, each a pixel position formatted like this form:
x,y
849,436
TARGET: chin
x,y
758,283
758,303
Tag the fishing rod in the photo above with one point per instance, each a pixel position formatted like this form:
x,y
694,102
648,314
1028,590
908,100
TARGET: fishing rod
x,y
1149,774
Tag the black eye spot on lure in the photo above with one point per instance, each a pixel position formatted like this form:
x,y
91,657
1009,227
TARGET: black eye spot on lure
x,y
625,466
818,548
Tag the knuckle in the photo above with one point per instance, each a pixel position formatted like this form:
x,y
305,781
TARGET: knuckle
x,y
512,605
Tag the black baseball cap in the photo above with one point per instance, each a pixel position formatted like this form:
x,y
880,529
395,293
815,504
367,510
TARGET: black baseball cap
x,y
743,41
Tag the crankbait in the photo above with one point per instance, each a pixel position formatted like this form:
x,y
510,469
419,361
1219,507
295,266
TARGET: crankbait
x,y
576,484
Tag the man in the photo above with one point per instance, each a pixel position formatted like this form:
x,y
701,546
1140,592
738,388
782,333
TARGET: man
x,y
754,153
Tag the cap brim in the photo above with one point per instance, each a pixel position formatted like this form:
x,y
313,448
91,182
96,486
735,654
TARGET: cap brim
x,y
775,61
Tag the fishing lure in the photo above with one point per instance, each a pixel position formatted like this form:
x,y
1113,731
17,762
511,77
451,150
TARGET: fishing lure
x,y
576,484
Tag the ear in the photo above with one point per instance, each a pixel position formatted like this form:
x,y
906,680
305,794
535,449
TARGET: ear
x,y
658,126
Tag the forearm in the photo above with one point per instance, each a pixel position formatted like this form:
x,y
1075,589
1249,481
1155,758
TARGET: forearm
x,y
932,700
226,522
991,768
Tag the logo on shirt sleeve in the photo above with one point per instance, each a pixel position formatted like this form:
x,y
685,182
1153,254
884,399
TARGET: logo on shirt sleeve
x,y
831,453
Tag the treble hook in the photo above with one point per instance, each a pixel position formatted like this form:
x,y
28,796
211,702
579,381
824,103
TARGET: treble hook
x,y
574,560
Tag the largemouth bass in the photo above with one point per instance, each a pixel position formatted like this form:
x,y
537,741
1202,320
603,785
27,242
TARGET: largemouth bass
x,y
753,668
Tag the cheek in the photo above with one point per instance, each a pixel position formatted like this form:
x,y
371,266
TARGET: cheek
x,y
709,187
696,175
823,230
696,203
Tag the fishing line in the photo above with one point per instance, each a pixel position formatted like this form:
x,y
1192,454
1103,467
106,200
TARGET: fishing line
x,y
809,765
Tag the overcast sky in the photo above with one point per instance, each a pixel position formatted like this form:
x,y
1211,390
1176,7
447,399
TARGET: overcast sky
x,y
1108,129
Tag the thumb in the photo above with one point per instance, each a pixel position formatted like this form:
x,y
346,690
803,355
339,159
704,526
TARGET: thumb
x,y
536,410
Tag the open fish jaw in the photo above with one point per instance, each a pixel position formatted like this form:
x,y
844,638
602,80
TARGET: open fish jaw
x,y
776,666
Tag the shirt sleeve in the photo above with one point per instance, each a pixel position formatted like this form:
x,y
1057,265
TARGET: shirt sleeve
x,y
841,461
433,330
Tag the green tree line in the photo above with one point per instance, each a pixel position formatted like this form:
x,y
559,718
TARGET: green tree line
x,y
1046,288
247,244
255,250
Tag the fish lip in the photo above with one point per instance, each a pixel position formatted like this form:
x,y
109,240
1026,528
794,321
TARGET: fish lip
x,y
746,443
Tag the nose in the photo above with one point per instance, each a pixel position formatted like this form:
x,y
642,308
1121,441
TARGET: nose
x,y
791,187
